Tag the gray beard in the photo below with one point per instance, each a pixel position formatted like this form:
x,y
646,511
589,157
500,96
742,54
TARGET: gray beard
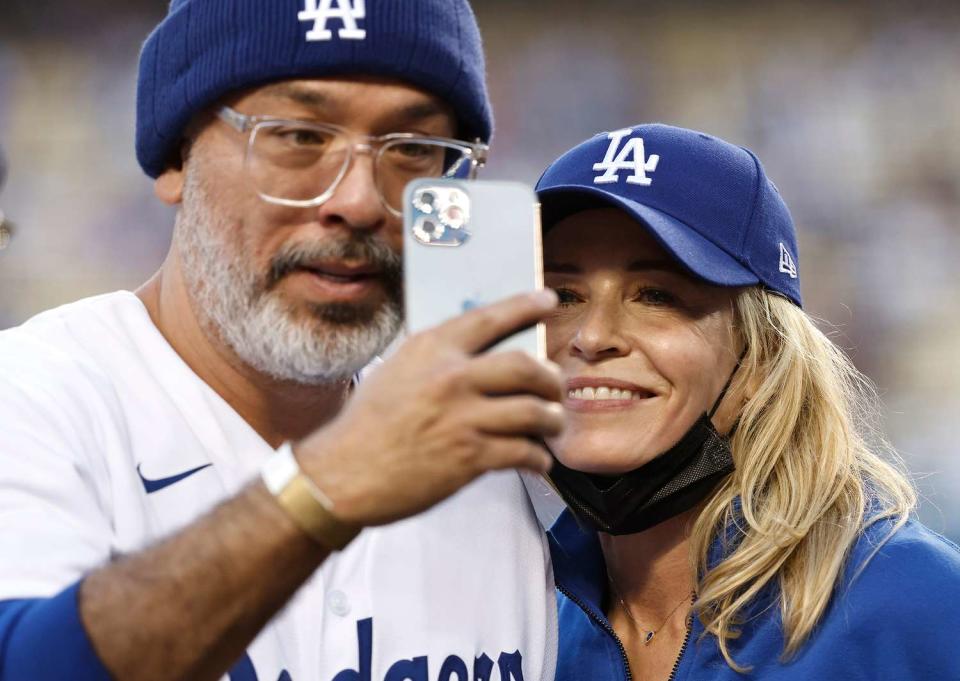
x,y
323,343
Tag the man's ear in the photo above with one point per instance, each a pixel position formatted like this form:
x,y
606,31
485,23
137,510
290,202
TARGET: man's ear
x,y
169,186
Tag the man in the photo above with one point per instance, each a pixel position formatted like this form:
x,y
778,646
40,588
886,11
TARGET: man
x,y
137,540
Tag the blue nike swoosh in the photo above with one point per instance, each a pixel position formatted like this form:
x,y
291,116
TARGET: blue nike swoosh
x,y
152,486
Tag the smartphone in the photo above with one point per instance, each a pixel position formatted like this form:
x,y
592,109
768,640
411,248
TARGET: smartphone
x,y
467,243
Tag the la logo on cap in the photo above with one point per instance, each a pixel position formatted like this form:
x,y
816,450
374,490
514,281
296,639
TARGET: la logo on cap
x,y
321,11
631,157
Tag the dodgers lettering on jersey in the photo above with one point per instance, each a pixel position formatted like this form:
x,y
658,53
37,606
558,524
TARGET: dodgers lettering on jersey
x,y
631,157
417,668
508,667
349,12
245,671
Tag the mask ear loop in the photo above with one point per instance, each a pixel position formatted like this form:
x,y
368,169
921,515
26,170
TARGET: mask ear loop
x,y
726,387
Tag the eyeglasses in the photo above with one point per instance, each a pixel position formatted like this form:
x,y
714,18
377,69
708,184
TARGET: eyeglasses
x,y
6,231
6,227
300,164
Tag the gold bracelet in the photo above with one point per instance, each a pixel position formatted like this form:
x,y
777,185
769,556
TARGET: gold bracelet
x,y
306,504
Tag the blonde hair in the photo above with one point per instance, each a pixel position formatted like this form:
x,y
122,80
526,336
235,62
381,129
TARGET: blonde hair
x,y
807,481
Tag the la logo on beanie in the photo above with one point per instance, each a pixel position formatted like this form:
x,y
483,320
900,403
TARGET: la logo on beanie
x,y
322,11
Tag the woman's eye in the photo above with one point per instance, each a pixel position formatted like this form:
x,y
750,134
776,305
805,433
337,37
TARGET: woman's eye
x,y
656,296
566,296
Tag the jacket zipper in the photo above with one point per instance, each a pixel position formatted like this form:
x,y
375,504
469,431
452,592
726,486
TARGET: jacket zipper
x,y
623,652
683,649
606,627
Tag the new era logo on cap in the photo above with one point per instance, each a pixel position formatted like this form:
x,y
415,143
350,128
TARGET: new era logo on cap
x,y
787,266
349,12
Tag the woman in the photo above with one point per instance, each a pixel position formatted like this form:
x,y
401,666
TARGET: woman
x,y
729,516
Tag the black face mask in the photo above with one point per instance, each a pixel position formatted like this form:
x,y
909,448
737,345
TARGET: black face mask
x,y
672,483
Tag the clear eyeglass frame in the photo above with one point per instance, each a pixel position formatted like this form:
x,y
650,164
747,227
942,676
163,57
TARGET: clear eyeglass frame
x,y
473,155
6,231
6,227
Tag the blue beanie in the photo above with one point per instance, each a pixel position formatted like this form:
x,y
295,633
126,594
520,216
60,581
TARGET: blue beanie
x,y
205,49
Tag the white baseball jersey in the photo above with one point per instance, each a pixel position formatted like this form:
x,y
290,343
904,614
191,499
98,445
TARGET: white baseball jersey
x,y
109,442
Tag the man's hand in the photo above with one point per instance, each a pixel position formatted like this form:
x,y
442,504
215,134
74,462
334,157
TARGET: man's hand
x,y
438,414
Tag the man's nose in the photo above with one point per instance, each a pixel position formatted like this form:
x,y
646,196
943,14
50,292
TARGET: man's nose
x,y
356,202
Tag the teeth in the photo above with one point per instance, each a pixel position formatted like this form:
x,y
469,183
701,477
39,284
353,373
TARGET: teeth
x,y
601,393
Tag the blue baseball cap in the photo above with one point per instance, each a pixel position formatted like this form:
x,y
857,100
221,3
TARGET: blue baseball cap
x,y
708,202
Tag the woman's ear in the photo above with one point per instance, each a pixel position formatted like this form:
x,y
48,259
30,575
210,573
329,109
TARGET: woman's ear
x,y
743,386
750,387
728,413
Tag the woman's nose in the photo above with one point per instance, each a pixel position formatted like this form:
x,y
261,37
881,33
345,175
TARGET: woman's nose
x,y
599,333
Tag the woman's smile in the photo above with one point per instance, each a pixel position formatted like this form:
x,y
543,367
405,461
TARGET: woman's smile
x,y
601,394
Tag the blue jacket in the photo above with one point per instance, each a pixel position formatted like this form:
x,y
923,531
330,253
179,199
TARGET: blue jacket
x,y
899,620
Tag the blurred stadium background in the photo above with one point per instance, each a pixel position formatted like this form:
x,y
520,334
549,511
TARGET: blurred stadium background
x,y
854,108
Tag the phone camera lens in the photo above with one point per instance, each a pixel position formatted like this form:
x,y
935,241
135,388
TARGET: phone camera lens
x,y
453,217
425,201
428,230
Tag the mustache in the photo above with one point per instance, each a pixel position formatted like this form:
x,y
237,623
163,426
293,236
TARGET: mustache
x,y
363,247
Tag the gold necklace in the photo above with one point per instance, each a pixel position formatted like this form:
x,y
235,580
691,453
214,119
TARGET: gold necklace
x,y
648,633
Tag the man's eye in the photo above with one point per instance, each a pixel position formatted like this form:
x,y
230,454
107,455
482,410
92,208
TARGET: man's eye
x,y
414,150
415,157
303,137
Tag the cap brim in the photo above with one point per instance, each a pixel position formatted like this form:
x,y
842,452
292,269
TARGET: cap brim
x,y
702,257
